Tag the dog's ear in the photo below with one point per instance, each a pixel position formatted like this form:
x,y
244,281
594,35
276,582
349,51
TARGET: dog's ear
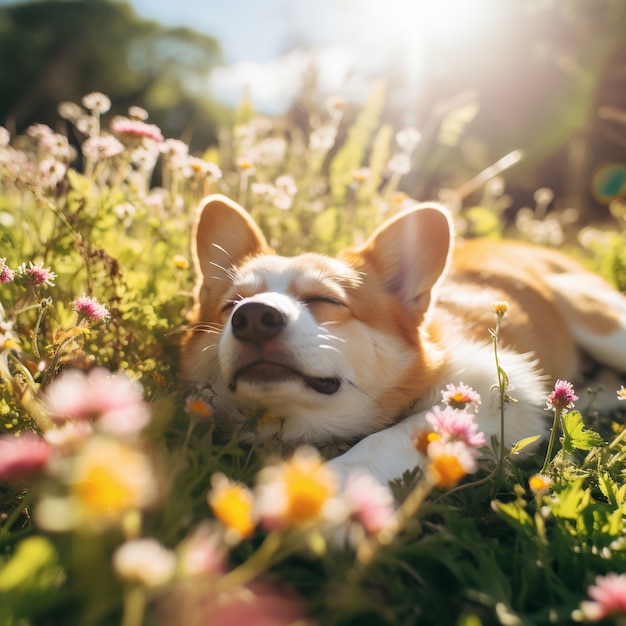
x,y
407,255
225,235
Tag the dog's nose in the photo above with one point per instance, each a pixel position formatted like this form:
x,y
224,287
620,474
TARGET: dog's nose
x,y
255,322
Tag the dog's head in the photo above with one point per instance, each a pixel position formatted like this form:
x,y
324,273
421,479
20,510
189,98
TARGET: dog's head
x,y
335,348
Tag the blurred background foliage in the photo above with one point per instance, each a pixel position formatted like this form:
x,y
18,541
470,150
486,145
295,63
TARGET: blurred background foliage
x,y
549,80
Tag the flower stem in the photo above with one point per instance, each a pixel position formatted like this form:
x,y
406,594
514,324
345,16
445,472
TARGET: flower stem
x,y
555,425
134,606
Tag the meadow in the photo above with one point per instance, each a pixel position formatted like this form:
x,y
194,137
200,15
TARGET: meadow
x,y
124,500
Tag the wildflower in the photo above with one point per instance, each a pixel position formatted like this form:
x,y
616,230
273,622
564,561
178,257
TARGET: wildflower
x,y
539,483
110,479
113,400
90,308
197,406
245,164
232,504
37,275
408,138
455,425
69,111
361,175
287,185
399,164
323,139
181,262
269,151
298,491
203,551
337,103
144,561
563,396
422,437
171,148
96,102
621,392
265,190
68,437
500,308
450,462
461,396
138,113
101,147
136,128
6,273
5,137
370,503
22,456
608,598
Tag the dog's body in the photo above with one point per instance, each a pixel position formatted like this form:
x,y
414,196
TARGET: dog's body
x,y
359,348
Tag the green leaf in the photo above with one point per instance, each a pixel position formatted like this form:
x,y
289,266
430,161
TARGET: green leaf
x,y
524,443
576,436
32,557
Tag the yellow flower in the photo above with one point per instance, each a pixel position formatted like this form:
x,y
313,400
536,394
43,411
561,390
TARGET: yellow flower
x,y
244,163
232,504
500,308
110,480
539,483
447,470
422,438
298,491
621,393
180,262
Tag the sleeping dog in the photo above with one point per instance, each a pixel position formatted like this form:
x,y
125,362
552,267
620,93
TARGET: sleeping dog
x,y
358,348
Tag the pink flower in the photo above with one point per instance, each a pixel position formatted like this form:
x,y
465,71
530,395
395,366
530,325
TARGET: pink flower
x,y
38,275
6,273
455,425
608,597
203,552
371,503
22,456
114,401
90,308
461,396
136,128
563,396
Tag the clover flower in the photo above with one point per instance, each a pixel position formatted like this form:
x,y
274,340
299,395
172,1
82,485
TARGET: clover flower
x,y
37,275
608,598
461,396
456,425
144,561
90,308
7,275
299,491
136,128
563,396
22,456
113,401
232,503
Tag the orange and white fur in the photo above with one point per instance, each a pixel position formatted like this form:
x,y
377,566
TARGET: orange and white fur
x,y
358,348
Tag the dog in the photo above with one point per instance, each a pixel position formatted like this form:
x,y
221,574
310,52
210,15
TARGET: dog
x,y
358,348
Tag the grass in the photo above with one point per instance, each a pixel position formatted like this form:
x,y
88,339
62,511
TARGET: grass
x,y
156,523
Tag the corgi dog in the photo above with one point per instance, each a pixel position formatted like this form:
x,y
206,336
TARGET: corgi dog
x,y
358,348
